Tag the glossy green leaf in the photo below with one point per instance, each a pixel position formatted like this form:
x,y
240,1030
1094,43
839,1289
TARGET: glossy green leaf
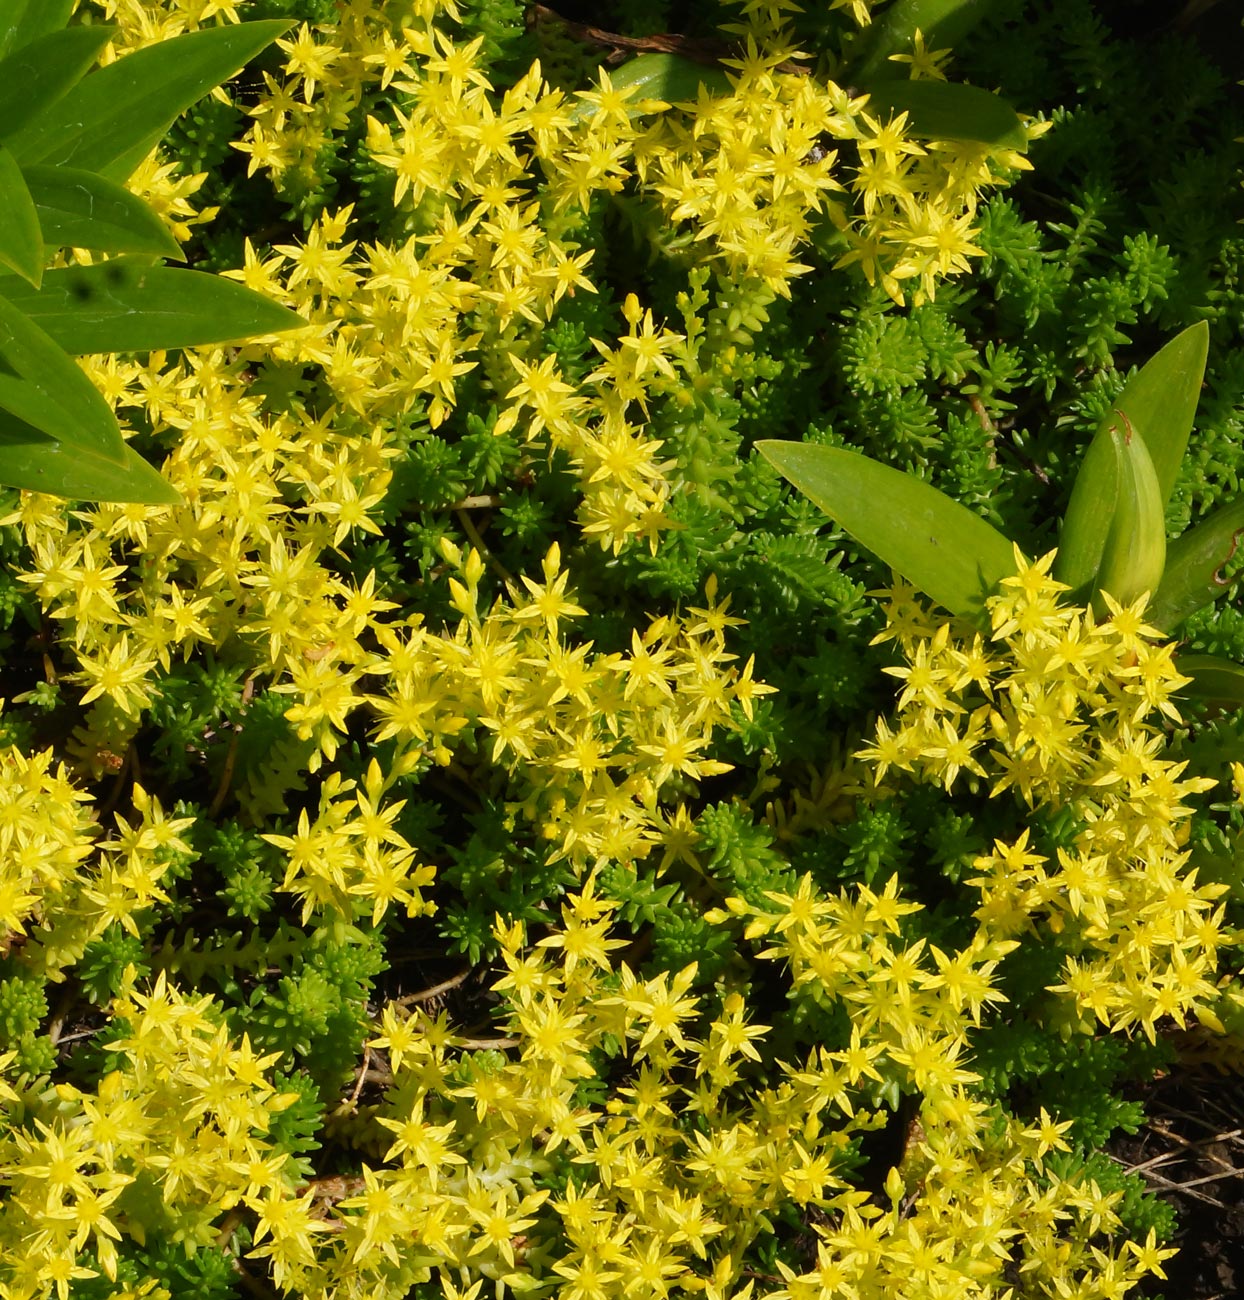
x,y
38,464
944,110
22,21
78,209
21,241
952,555
43,388
941,22
37,76
1194,567
112,119
1214,680
125,306
668,77
1159,403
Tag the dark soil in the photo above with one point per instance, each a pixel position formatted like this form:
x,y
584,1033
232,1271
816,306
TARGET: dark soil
x,y
1191,1153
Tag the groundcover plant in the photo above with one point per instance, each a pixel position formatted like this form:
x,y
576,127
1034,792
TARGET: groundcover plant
x,y
468,826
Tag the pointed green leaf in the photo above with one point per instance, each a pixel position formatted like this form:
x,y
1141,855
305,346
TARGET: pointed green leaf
x,y
1159,403
38,464
1193,576
22,21
39,75
78,209
124,306
12,14
1135,550
1086,524
659,76
952,555
112,119
21,242
42,387
941,22
1214,680
943,110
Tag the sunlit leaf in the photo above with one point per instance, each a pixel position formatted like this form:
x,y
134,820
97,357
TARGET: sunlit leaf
x,y
37,76
125,306
944,110
39,464
668,77
1159,404
21,242
78,209
43,388
952,555
113,118
23,21
57,433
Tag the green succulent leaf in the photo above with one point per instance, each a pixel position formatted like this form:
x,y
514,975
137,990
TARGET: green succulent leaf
x,y
950,554
127,306
112,119
941,22
942,110
1214,679
23,21
78,209
1193,574
37,76
1159,403
21,241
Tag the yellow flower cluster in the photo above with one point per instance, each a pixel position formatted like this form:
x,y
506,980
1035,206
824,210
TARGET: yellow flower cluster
x,y
594,737
172,1138
742,173
60,886
268,494
690,1161
352,851
1065,711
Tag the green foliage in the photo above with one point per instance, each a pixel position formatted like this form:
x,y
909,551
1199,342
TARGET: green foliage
x,y
23,1007
330,468
316,1015
68,139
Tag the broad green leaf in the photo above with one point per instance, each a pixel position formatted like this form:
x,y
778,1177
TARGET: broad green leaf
x,y
1159,403
78,209
124,306
37,76
941,22
659,76
952,555
22,21
42,387
112,119
21,242
1214,680
1194,563
41,464
943,110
